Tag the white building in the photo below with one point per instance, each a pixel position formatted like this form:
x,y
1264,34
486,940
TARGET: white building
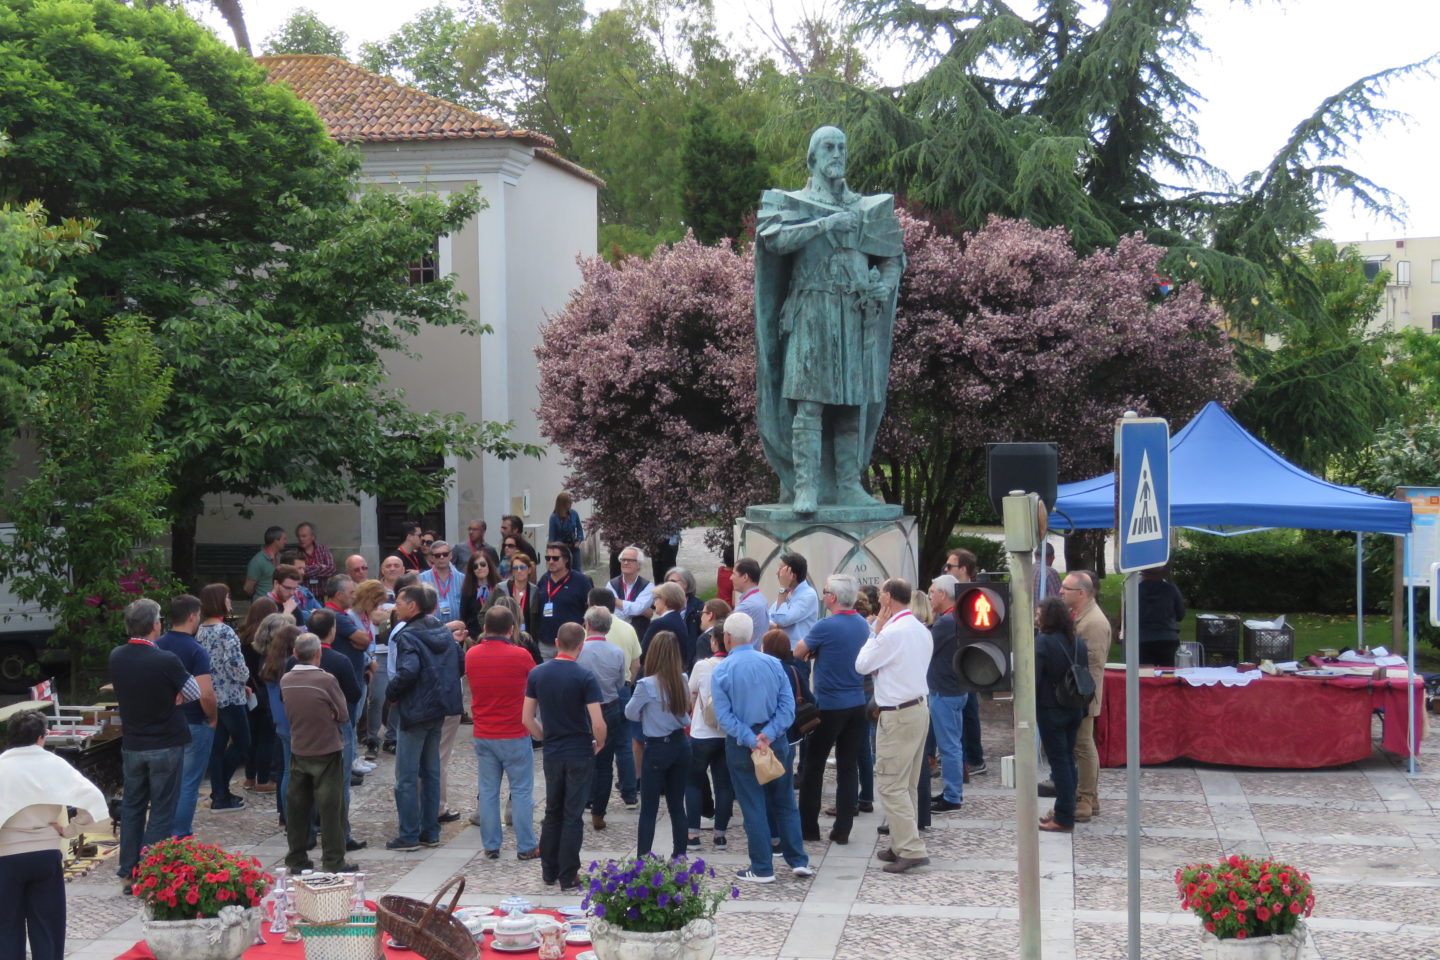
x,y
516,262
1412,295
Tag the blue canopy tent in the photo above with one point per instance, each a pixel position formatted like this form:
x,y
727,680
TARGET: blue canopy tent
x,y
1224,481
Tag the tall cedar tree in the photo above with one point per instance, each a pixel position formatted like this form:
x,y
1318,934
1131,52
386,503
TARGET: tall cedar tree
x,y
275,281
721,176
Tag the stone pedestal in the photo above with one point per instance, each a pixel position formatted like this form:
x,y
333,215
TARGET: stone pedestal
x,y
870,550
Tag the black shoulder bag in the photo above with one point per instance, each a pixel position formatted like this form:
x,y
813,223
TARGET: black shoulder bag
x,y
1077,688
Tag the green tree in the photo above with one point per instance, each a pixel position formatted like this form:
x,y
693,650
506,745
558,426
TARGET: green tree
x,y
1323,391
86,522
1063,121
305,32
721,176
426,54
276,283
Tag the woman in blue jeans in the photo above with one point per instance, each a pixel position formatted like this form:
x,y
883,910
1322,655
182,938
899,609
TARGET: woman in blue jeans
x,y
707,740
1056,648
279,650
231,677
661,706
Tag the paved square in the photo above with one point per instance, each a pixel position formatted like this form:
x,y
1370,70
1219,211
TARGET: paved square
x,y
1368,834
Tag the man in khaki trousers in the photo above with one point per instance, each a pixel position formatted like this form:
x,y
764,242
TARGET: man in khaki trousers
x,y
1092,626
899,657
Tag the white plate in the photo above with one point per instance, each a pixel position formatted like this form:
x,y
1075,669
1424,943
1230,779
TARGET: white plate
x,y
586,955
574,910
1320,673
532,945
576,937
394,944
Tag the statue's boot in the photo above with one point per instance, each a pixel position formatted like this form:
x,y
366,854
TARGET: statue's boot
x,y
806,451
848,491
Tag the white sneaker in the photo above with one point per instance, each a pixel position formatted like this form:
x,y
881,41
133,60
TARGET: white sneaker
x,y
360,766
803,871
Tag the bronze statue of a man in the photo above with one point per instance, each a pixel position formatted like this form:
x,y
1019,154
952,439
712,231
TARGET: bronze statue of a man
x,y
827,269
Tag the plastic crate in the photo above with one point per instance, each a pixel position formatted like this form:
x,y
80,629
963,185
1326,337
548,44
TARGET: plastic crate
x,y
1219,635
1276,645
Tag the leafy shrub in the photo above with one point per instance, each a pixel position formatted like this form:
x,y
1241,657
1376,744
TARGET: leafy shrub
x,y
1279,571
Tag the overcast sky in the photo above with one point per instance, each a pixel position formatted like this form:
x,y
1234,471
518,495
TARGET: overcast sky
x,y
1269,66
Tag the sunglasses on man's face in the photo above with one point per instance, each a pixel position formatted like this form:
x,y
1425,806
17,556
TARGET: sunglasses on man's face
x,y
552,559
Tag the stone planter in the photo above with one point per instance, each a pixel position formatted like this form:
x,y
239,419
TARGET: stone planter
x,y
694,941
225,937
1289,946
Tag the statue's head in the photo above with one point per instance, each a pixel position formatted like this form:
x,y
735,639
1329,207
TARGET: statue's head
x,y
828,153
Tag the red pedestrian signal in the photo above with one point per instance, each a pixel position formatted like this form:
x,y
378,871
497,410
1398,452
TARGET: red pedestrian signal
x,y
983,608
982,656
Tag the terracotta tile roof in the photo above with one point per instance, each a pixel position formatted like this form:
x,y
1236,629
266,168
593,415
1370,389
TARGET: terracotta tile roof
x,y
358,106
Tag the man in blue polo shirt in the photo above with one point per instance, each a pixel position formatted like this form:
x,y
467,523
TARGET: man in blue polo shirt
x,y
831,646
755,706
199,715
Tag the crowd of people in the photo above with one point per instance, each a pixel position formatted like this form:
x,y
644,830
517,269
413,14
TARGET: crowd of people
x,y
628,687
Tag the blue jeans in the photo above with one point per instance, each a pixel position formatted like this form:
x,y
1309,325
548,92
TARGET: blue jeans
x,y
707,756
196,765
667,767
152,785
766,809
1058,727
625,752
867,764
375,699
516,759
232,742
283,777
947,720
974,750
417,780
32,898
617,731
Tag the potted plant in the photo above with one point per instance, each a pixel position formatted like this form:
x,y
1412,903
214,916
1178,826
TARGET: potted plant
x,y
652,909
200,902
1250,908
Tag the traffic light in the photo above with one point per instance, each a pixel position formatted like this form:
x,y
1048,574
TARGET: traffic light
x,y
982,633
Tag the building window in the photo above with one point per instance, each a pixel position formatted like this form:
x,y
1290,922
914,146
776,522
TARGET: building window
x,y
1435,323
1402,272
1435,271
427,268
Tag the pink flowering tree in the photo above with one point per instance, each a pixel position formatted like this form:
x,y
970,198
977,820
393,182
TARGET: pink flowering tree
x,y
647,376
647,380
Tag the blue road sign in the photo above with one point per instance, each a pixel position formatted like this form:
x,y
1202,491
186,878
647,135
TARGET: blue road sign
x,y
1142,493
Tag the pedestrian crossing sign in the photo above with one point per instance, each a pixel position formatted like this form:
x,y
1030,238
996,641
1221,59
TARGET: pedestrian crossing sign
x,y
1142,493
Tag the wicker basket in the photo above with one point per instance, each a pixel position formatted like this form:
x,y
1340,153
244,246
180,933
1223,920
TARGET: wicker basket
x,y
427,928
324,898
356,939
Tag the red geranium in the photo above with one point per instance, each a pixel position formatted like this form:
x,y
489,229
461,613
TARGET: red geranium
x,y
1211,890
183,879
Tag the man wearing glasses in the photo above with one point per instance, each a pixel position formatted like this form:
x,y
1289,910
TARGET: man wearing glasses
x,y
409,550
442,577
632,591
559,597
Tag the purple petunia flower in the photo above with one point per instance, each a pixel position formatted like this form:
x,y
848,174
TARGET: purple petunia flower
x,y
633,913
678,897
698,866
642,892
664,900
694,887
734,893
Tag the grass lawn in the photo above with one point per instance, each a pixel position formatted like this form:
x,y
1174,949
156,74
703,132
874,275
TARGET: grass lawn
x,y
1312,630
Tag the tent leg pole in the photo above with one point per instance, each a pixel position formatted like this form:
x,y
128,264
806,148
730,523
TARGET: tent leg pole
x,y
1410,707
1359,590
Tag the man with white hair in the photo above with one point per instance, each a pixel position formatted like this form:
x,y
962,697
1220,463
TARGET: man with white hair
x,y
607,662
947,698
832,646
755,706
633,593
899,656
1079,593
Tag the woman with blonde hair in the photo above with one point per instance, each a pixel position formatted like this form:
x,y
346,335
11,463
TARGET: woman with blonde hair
x,y
661,705
371,610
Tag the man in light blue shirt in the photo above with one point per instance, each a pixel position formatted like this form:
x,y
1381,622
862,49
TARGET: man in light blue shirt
x,y
749,600
754,705
797,608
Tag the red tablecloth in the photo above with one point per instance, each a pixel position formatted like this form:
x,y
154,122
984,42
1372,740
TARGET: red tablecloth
x,y
274,949
1281,722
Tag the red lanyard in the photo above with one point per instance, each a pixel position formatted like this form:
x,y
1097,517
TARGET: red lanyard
x,y
596,639
564,656
553,588
631,590
751,592
449,582
899,616
407,556
148,643
840,612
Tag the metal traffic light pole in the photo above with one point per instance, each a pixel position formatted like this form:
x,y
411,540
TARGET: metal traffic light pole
x,y
1020,538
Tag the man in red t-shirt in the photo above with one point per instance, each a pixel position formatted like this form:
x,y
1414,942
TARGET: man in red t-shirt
x,y
497,670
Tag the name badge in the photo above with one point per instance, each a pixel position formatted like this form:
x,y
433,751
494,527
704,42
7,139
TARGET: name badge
x,y
548,611
445,609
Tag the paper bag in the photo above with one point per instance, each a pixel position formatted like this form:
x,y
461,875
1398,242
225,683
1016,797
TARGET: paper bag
x,y
767,765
